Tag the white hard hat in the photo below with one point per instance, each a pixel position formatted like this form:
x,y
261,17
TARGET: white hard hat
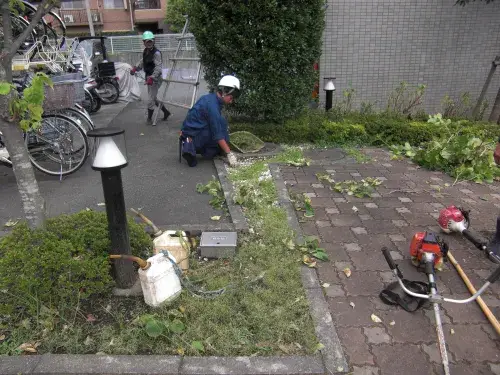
x,y
230,81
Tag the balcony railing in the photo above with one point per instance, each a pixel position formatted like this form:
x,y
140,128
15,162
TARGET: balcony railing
x,y
78,17
147,4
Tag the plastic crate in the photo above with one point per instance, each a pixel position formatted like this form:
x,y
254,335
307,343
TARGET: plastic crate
x,y
106,69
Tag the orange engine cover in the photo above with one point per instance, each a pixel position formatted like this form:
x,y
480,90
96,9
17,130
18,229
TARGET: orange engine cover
x,y
423,242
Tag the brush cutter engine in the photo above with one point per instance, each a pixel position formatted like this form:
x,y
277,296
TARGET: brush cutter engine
x,y
428,242
453,219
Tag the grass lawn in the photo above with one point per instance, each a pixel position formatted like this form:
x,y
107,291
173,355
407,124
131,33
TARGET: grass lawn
x,y
267,317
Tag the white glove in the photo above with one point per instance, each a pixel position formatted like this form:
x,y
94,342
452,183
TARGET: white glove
x,y
231,158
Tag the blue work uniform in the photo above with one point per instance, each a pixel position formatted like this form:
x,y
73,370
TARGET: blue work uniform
x,y
205,125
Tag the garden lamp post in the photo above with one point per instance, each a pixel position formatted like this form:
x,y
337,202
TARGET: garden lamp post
x,y
109,156
329,87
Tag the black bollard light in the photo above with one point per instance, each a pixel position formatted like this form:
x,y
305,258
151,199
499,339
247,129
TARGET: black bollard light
x,y
109,156
329,87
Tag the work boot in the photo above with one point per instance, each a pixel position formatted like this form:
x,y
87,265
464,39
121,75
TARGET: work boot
x,y
166,113
150,116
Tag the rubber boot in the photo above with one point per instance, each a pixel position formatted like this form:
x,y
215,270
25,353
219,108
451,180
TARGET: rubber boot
x,y
166,113
150,116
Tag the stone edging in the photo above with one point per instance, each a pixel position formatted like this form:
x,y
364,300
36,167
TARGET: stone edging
x,y
331,360
333,354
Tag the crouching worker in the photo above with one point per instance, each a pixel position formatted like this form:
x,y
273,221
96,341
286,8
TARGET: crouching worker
x,y
152,64
205,130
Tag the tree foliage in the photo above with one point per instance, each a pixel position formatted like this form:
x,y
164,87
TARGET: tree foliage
x,y
270,45
176,9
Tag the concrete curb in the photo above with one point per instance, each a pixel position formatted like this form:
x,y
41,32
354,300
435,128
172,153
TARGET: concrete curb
x,y
237,217
333,354
331,360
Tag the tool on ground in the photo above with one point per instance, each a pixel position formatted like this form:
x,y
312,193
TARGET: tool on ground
x,y
452,219
493,320
186,45
426,253
428,242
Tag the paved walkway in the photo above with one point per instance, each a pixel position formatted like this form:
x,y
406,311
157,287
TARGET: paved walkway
x,y
406,202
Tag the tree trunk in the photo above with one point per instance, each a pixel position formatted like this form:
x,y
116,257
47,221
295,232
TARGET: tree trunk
x,y
33,202
495,112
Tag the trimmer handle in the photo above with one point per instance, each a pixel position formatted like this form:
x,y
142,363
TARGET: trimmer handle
x,y
392,265
494,276
481,245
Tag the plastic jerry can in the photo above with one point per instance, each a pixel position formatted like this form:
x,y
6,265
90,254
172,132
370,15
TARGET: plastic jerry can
x,y
159,282
170,241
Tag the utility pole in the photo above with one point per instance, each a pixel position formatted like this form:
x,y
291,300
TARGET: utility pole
x,y
89,18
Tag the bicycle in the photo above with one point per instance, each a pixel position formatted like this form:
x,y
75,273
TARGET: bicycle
x,y
59,146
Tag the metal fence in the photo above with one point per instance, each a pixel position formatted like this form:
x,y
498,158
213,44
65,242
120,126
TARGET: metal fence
x,y
129,48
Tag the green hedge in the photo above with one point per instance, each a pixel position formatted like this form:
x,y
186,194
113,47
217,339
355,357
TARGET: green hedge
x,y
57,266
271,46
314,126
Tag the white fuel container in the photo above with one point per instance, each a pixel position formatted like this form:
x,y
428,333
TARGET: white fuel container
x,y
159,282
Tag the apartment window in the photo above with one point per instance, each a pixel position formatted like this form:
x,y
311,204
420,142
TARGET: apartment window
x,y
113,4
73,4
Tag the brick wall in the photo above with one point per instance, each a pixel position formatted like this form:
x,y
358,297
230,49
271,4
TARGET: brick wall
x,y
375,44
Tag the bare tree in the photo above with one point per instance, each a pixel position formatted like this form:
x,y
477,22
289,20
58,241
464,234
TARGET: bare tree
x,y
33,202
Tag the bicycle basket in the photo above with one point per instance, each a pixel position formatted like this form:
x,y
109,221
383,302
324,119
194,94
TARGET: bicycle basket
x,y
63,95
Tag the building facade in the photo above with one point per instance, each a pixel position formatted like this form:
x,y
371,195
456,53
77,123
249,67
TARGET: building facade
x,y
114,16
373,45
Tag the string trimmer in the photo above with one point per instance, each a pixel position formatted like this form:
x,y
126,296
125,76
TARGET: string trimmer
x,y
453,219
427,251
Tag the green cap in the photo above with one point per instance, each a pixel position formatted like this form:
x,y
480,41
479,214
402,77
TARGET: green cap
x,y
148,35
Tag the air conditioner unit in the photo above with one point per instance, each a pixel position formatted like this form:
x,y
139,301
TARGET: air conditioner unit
x,y
96,17
68,18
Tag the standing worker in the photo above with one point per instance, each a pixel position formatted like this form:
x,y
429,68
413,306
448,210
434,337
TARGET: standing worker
x,y
152,65
205,130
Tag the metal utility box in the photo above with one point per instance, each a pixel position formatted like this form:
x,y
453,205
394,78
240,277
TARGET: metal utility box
x,y
218,244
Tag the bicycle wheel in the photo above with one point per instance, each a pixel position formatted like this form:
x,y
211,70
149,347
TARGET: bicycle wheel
x,y
96,103
58,147
108,92
79,117
88,102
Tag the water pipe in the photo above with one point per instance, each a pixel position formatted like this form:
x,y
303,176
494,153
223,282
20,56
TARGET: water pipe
x,y
144,265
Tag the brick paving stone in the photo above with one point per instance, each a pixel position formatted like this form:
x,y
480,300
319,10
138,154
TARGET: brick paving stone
x,y
468,369
371,205
397,238
322,202
410,327
403,210
320,214
356,348
469,341
400,223
401,360
405,200
332,211
365,217
305,179
432,350
339,200
352,246
379,226
495,368
309,229
346,208
359,230
337,234
345,220
323,224
361,283
464,313
385,214
369,261
335,290
376,335
327,273
310,195
335,251
318,186
347,316
365,370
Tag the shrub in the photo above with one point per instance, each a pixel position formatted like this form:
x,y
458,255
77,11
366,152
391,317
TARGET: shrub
x,y
273,51
56,266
